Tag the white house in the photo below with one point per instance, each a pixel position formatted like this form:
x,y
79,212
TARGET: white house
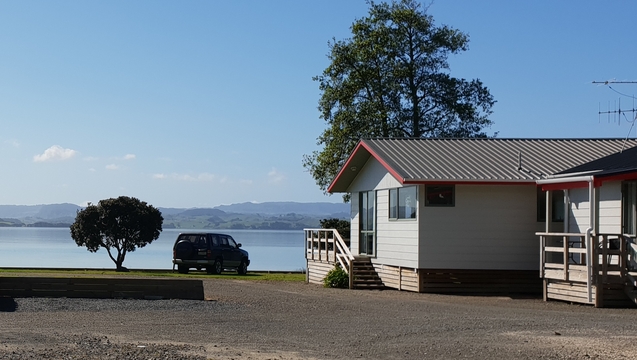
x,y
461,215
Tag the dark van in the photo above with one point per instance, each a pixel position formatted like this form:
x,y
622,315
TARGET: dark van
x,y
214,252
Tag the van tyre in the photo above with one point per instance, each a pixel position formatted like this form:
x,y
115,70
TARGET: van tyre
x,y
217,267
182,269
243,268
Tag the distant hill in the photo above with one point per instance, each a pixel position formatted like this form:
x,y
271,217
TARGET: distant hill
x,y
267,215
271,208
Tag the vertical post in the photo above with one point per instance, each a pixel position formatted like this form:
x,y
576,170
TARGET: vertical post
x,y
542,255
351,274
549,211
566,257
623,257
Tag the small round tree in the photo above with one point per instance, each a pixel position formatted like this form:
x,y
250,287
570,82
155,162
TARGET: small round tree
x,y
123,224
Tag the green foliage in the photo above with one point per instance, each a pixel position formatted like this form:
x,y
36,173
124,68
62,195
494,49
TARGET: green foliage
x,y
390,79
122,224
342,226
336,278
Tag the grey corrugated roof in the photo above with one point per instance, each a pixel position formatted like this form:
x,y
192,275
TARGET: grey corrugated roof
x,y
476,160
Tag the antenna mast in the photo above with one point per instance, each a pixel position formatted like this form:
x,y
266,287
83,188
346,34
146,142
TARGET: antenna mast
x,y
619,110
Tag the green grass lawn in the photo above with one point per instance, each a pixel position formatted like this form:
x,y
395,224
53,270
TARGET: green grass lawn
x,y
252,276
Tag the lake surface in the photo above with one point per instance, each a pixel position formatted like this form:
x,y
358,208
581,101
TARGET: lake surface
x,y
270,250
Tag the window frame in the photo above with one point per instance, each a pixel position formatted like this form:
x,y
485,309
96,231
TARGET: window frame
x,y
430,187
396,212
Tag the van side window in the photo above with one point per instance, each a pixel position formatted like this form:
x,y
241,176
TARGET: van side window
x,y
232,243
224,241
201,243
215,240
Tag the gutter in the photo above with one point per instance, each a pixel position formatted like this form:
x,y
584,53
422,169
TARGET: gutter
x,y
591,223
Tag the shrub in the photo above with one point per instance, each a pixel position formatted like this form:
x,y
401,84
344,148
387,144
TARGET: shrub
x,y
336,278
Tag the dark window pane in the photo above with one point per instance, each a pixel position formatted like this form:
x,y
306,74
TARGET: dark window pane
x,y
393,203
439,195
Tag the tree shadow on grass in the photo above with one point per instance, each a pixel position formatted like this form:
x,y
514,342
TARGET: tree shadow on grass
x,y
7,304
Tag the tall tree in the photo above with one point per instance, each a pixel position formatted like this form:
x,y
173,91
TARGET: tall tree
x,y
118,224
391,79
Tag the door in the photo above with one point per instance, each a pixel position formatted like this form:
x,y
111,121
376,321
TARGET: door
x,y
367,235
231,253
629,207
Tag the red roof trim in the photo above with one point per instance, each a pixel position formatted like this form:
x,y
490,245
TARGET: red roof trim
x,y
329,189
369,150
619,177
385,165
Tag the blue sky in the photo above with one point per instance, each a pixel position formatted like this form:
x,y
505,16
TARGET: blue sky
x,y
202,103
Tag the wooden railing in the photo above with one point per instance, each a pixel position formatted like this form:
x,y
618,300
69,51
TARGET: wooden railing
x,y
328,245
564,256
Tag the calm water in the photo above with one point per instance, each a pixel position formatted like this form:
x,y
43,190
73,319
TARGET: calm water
x,y
53,247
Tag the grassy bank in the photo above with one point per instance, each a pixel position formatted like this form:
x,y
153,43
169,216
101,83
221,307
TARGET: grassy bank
x,y
252,276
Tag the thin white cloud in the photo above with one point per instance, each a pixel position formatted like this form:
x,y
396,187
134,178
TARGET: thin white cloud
x,y
90,158
92,170
246,181
275,177
129,156
112,167
159,176
55,153
12,142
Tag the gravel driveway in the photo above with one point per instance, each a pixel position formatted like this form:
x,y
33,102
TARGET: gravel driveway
x,y
276,320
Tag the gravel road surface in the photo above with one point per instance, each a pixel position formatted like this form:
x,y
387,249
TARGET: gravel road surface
x,y
276,320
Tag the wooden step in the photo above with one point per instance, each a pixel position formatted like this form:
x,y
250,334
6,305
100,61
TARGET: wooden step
x,y
365,276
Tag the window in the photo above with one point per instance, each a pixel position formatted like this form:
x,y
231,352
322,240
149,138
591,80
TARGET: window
x,y
440,195
366,242
557,205
629,207
402,203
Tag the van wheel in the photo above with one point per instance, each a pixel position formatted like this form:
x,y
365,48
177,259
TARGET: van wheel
x,y
216,268
243,268
182,269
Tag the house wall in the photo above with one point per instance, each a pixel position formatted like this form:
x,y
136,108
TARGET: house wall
x,y
490,227
608,212
396,240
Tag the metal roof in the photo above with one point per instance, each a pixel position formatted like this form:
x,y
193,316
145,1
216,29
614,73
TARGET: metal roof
x,y
414,160
623,162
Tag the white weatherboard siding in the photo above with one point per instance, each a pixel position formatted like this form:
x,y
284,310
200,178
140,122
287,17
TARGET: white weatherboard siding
x,y
354,226
396,240
609,210
578,215
490,227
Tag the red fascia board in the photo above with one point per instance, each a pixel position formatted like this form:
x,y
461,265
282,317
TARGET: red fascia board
x,y
393,172
618,177
372,153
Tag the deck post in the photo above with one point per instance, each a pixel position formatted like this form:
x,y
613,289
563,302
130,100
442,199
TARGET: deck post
x,y
351,274
566,257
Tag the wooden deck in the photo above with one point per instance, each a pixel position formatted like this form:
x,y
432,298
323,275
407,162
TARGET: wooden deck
x,y
608,279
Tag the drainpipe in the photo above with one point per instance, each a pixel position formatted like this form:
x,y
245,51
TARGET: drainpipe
x,y
591,221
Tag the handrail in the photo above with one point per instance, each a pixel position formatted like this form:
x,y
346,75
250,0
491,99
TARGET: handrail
x,y
322,239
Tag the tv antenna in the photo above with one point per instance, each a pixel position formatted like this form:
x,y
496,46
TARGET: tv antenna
x,y
617,114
